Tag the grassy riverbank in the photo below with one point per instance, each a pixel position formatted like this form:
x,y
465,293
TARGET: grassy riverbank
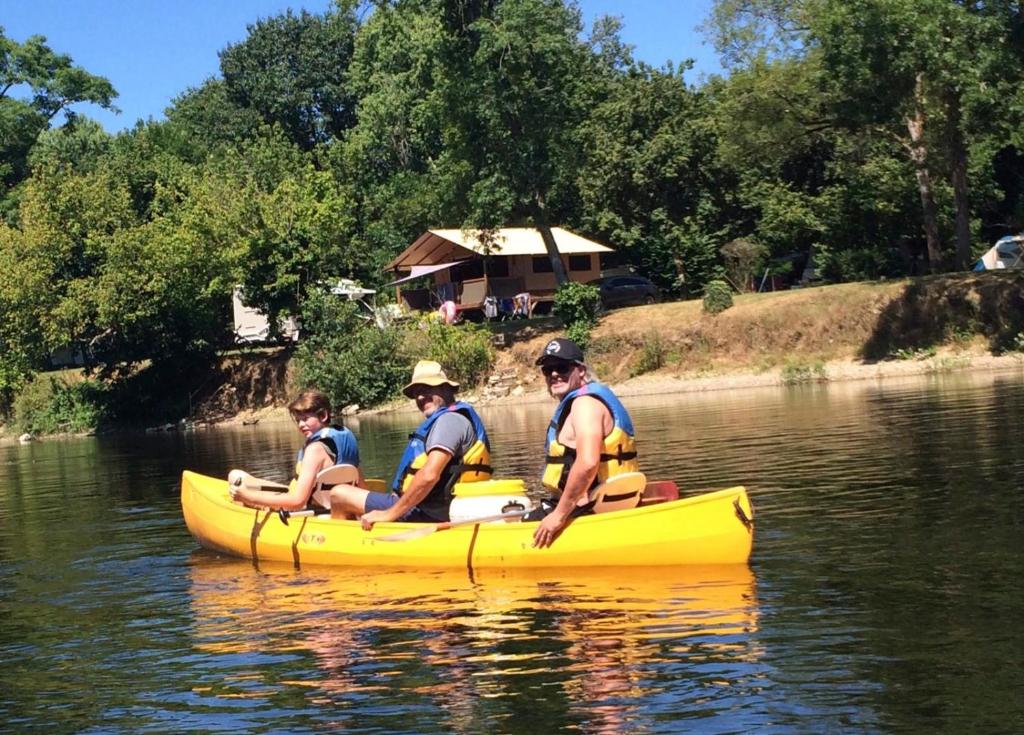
x,y
829,333
846,331
841,332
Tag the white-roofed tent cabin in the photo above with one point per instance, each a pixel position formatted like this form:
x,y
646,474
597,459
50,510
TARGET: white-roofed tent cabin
x,y
1008,252
511,261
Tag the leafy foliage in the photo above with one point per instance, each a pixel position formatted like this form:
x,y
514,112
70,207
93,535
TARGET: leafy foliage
x,y
54,84
346,357
50,405
577,303
330,141
717,297
463,349
287,72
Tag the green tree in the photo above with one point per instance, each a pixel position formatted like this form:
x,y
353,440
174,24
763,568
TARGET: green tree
x,y
651,180
294,226
204,119
935,61
291,70
54,85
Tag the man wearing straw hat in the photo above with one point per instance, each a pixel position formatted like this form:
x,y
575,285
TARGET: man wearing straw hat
x,y
449,446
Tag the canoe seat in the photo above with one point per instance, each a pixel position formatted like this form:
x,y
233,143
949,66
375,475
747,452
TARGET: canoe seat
x,y
621,492
339,474
659,491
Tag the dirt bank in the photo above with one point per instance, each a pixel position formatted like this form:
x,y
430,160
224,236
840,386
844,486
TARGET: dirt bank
x,y
855,331
852,331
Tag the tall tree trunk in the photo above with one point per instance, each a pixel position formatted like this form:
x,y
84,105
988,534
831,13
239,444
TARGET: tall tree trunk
x,y
961,200
919,157
541,222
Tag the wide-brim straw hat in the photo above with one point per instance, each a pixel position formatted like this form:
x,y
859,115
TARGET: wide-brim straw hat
x,y
428,372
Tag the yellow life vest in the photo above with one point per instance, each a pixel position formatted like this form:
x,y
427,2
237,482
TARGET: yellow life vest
x,y
618,450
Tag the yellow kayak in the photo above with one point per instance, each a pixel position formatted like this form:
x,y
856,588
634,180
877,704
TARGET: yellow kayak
x,y
708,529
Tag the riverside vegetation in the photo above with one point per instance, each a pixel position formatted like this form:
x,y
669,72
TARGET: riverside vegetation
x,y
328,142
928,324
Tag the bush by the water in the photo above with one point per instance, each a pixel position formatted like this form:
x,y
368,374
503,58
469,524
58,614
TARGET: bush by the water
x,y
652,354
49,405
463,350
717,297
353,360
577,305
347,357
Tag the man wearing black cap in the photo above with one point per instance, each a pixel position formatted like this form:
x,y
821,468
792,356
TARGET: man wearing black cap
x,y
590,438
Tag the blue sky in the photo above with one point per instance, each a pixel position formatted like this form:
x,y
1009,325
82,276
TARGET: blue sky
x,y
153,50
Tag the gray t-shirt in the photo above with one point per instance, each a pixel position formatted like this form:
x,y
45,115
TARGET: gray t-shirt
x,y
453,433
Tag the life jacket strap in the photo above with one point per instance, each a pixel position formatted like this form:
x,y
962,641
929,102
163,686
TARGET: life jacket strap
x,y
620,456
458,469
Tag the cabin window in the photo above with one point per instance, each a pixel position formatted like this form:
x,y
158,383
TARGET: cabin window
x,y
542,264
498,267
579,262
468,271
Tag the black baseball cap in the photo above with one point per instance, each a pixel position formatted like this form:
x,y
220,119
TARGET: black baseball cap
x,y
561,349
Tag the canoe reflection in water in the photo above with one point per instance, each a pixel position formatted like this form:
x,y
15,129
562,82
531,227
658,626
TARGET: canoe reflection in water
x,y
594,649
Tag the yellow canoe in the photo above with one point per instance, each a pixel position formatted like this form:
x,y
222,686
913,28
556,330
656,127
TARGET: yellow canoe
x,y
708,529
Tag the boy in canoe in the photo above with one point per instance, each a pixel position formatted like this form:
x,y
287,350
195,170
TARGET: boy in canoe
x,y
449,446
325,447
589,440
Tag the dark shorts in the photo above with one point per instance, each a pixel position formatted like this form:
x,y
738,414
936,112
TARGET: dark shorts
x,y
549,504
383,501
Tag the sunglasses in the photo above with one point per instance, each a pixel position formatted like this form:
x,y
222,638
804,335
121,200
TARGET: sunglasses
x,y
562,368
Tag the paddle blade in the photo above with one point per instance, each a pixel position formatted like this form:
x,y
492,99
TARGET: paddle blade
x,y
413,533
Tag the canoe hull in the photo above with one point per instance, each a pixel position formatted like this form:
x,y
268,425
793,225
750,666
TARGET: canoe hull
x,y
708,529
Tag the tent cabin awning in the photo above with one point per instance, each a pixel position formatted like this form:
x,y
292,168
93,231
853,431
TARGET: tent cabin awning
x,y
1008,252
423,270
436,247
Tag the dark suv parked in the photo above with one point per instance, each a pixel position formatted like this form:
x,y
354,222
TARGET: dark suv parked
x,y
623,290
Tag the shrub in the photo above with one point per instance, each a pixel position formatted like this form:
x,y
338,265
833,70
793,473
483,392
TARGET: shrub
x,y
652,354
717,297
577,305
363,366
348,358
577,302
464,350
579,333
49,405
794,372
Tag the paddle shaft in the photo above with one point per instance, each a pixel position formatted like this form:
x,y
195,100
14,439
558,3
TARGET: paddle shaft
x,y
485,519
428,528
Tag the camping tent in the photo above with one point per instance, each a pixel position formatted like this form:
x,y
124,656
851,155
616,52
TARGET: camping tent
x,y
1008,252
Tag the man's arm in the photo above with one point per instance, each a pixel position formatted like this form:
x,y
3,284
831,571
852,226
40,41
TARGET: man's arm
x,y
587,420
424,479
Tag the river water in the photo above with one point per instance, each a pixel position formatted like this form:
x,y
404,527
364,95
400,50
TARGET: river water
x,y
882,595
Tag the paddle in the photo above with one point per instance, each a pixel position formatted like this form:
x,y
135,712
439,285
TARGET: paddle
x,y
426,529
284,515
240,478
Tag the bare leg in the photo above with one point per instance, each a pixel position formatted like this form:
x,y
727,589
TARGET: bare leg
x,y
348,502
